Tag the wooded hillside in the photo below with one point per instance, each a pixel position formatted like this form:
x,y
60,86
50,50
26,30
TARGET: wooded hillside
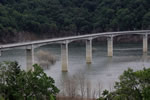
x,y
57,18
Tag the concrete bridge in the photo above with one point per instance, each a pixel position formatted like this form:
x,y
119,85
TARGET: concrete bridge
x,y
30,46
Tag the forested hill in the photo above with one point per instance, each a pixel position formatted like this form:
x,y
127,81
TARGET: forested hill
x,y
71,17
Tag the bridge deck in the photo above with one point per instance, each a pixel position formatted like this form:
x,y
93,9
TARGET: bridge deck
x,y
73,38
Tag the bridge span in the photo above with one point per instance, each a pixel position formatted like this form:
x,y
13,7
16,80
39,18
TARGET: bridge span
x,y
30,46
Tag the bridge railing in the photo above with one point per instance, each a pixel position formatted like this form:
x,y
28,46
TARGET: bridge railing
x,y
73,38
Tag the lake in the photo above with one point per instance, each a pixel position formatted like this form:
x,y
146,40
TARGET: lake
x,y
103,69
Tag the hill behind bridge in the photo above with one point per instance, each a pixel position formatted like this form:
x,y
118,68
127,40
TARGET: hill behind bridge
x,y
57,18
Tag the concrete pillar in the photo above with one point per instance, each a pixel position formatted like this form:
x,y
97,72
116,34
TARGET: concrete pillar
x,y
89,51
32,48
64,57
29,58
110,46
0,53
145,43
144,57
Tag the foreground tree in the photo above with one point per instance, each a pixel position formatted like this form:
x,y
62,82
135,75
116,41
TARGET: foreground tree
x,y
132,86
16,84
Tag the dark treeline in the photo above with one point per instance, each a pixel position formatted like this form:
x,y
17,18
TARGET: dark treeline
x,y
72,17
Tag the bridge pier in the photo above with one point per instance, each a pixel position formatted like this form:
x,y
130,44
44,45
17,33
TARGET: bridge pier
x,y
0,53
110,46
29,57
89,51
64,57
145,43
